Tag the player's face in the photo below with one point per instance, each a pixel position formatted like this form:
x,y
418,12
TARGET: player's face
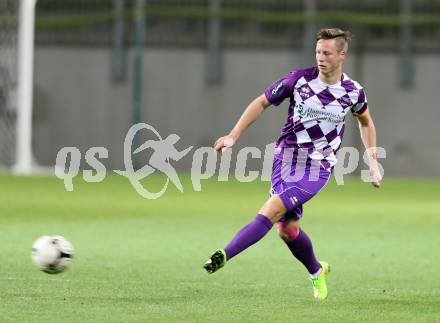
x,y
328,58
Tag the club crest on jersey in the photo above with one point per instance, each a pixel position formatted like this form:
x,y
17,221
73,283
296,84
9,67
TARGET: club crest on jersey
x,y
345,101
305,92
277,88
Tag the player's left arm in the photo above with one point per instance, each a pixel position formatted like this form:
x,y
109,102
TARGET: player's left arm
x,y
368,135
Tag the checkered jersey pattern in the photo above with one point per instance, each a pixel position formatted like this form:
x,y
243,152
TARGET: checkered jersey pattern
x,y
316,116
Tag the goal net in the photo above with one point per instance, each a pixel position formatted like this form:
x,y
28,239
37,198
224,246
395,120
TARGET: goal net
x,y
9,10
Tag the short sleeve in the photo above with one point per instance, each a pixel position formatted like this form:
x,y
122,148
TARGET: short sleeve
x,y
361,104
282,88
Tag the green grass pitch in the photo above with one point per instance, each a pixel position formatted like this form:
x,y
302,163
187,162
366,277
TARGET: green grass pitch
x,y
141,260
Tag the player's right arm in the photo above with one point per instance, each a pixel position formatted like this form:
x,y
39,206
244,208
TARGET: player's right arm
x,y
254,110
276,93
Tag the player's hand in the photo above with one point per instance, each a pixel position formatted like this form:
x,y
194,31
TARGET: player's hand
x,y
224,143
376,176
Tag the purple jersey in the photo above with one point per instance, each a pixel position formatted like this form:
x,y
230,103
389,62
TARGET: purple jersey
x,y
316,116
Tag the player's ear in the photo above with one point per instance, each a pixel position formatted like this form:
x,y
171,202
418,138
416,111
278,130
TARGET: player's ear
x,y
343,54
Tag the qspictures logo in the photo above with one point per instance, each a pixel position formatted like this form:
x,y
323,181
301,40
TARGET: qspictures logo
x,y
204,163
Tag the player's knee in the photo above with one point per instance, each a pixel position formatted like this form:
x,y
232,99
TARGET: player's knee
x,y
273,209
287,232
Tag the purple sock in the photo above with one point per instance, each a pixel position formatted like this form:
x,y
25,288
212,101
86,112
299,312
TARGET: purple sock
x,y
302,249
248,235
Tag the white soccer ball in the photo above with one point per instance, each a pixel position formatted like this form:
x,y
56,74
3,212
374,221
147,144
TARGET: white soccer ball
x,y
52,254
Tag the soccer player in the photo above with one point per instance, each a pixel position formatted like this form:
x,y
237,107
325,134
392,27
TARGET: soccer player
x,y
305,152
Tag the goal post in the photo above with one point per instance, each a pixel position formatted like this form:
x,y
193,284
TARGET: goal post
x,y
25,65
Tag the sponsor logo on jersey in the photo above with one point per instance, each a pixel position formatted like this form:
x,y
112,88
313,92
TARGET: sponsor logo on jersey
x,y
318,114
300,109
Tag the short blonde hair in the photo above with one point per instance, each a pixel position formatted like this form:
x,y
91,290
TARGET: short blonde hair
x,y
342,37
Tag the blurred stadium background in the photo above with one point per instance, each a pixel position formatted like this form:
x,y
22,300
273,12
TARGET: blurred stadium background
x,y
191,67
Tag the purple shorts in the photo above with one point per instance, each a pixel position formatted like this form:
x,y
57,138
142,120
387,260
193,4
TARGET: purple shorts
x,y
295,186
